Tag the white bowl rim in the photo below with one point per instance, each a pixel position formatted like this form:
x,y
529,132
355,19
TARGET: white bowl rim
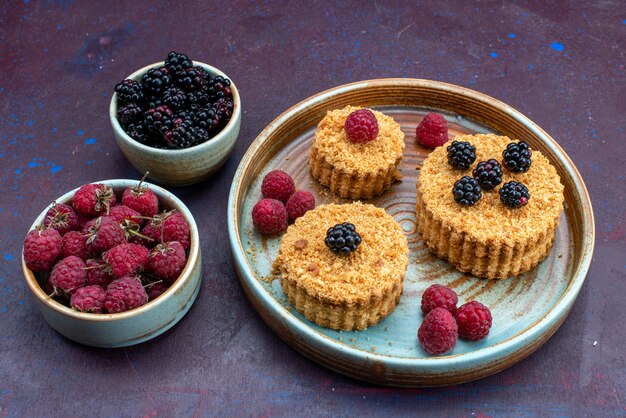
x,y
183,278
117,127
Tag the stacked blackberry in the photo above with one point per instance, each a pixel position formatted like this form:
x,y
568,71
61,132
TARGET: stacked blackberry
x,y
175,106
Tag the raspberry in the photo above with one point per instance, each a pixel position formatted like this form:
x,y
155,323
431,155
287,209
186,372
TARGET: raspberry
x,y
167,260
167,227
41,248
88,299
438,296
270,217
124,294
97,273
342,238
438,332
94,199
125,259
516,157
156,289
461,154
278,185
361,126
474,321
123,213
466,191
141,199
61,217
299,203
69,274
432,131
74,243
514,194
104,233
488,174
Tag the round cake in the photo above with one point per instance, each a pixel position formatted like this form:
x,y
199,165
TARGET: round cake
x,y
343,292
356,170
488,239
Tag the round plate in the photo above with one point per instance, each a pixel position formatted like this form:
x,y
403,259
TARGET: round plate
x,y
526,310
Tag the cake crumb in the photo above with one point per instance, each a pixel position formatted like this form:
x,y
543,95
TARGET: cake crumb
x,y
300,244
313,268
595,343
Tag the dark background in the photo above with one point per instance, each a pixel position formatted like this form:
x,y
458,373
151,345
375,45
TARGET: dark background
x,y
561,63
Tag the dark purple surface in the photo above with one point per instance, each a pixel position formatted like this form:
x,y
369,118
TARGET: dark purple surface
x,y
560,63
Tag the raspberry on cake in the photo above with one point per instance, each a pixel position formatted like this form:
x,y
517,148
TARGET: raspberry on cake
x,y
357,170
489,239
347,291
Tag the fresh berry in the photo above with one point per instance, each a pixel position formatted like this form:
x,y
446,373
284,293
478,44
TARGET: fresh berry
x,y
175,98
299,203
342,238
438,296
159,119
182,135
474,321
41,248
139,133
224,109
129,91
278,185
438,332
88,299
104,233
167,260
432,131
461,154
205,118
129,113
124,294
466,191
123,213
156,80
488,174
516,157
141,199
69,274
167,227
156,289
177,63
97,273
74,243
361,126
61,217
125,259
93,199
197,100
514,194
192,79
270,217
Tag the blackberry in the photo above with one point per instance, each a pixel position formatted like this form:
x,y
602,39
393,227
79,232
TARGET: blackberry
x,y
461,155
137,131
224,109
202,135
181,136
205,119
129,113
159,119
516,157
175,98
156,80
129,91
177,63
514,194
197,99
488,174
342,238
192,79
466,191
153,101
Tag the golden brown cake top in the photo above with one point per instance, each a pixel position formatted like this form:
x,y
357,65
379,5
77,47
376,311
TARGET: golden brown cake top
x,y
378,264
371,157
489,219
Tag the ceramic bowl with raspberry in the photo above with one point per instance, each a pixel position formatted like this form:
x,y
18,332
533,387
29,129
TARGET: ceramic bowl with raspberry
x,y
113,263
177,119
